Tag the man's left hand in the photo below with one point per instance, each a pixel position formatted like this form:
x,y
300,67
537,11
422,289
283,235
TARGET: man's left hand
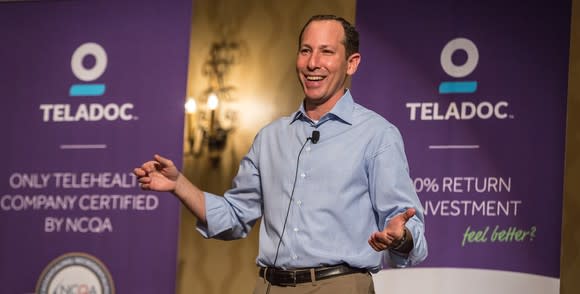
x,y
393,233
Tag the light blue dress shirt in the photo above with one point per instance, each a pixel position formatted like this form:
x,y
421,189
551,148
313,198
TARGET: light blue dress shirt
x,y
348,186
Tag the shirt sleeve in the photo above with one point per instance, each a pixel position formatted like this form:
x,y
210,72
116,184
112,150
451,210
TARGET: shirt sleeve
x,y
392,192
233,215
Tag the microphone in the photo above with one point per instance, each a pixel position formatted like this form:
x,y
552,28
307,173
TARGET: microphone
x,y
315,136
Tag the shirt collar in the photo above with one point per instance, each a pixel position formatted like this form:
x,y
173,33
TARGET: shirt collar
x,y
342,110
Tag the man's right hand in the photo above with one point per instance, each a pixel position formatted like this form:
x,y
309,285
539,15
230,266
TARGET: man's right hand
x,y
159,174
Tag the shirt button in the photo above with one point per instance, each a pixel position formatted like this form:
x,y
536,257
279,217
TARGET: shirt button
x,y
303,175
294,257
307,148
296,229
299,202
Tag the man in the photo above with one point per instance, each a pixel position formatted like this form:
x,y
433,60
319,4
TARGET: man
x,y
330,182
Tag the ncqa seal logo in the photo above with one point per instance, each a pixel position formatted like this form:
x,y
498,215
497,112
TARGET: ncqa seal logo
x,y
75,273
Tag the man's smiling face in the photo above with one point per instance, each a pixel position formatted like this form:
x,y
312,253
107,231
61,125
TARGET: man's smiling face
x,y
321,64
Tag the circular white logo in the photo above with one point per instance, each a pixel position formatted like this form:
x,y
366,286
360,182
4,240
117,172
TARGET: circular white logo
x,y
459,71
75,273
89,74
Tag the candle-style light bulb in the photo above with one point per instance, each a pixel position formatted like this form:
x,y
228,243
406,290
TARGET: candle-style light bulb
x,y
212,101
190,105
190,109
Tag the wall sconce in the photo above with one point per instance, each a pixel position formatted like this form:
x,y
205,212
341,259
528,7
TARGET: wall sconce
x,y
208,124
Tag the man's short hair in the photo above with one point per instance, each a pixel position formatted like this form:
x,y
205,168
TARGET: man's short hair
x,y
350,40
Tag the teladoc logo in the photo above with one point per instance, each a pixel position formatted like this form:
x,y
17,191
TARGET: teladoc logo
x,y
458,110
88,74
69,112
459,71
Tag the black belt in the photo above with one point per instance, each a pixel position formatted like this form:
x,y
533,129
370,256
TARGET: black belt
x,y
280,277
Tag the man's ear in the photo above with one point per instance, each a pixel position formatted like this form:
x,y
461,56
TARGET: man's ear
x,y
352,63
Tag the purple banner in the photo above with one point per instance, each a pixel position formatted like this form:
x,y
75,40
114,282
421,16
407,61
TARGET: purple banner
x,y
478,90
90,89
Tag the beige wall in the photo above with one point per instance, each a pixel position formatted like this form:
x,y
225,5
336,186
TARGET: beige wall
x,y
267,88
570,261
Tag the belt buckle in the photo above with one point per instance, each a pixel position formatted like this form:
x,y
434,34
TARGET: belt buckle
x,y
293,275
290,281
